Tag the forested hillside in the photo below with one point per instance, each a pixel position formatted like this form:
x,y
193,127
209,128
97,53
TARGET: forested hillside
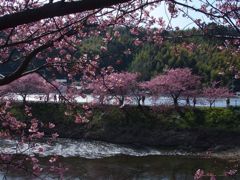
x,y
209,56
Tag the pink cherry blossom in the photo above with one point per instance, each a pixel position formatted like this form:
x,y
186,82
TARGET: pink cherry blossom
x,y
174,83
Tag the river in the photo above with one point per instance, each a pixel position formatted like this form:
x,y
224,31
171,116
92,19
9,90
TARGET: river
x,y
100,160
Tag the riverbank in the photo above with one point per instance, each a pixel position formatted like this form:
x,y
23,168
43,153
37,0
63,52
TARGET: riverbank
x,y
185,128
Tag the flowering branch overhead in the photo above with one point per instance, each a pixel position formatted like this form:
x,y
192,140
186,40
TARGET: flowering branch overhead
x,y
51,10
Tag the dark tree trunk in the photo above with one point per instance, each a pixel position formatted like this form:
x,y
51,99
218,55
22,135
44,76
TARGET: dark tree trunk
x,y
175,101
139,101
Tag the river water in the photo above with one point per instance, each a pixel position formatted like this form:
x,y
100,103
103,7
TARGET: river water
x,y
101,160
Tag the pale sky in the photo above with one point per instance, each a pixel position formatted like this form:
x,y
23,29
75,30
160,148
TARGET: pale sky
x,y
180,21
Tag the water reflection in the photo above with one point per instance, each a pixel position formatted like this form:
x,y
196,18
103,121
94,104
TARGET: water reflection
x,y
143,168
138,168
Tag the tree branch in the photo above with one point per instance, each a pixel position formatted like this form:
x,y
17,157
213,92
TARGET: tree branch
x,y
53,10
20,70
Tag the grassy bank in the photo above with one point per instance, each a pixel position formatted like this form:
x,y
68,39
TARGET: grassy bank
x,y
163,126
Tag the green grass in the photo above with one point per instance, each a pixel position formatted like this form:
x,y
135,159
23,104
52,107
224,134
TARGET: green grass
x,y
138,119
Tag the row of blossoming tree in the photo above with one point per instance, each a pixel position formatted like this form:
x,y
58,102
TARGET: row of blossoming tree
x,y
174,83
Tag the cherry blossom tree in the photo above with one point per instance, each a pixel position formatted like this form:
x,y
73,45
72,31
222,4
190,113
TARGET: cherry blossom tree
x,y
115,85
174,83
213,93
29,84
138,93
192,95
